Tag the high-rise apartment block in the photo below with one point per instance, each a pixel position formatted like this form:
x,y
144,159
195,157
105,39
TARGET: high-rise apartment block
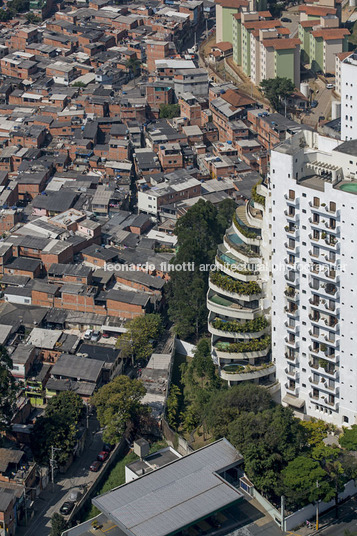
x,y
348,92
314,285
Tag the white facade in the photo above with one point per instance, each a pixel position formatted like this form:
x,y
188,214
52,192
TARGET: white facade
x,y
348,91
238,298
314,284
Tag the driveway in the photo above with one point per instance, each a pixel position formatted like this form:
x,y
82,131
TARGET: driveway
x,y
324,97
77,475
293,25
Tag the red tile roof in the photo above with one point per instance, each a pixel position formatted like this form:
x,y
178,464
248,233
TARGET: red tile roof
x,y
317,10
233,3
223,46
331,33
309,23
281,44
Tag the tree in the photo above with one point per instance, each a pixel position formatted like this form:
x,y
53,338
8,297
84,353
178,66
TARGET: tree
x,y
58,428
118,403
8,390
268,440
168,111
198,232
134,65
349,438
139,337
78,84
304,481
277,90
172,406
55,431
58,525
226,405
32,18
68,404
317,431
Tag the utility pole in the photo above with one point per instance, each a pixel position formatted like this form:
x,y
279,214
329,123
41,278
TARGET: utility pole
x,y
52,465
317,508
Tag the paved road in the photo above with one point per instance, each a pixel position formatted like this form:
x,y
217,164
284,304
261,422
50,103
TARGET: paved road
x,y
78,474
293,25
324,98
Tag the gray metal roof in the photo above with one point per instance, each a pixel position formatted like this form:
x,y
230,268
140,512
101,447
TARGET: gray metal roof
x,y
78,368
175,495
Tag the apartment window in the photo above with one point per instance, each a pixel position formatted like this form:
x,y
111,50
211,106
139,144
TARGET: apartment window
x,y
316,202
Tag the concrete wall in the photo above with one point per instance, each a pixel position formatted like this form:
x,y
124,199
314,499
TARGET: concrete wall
x,y
184,348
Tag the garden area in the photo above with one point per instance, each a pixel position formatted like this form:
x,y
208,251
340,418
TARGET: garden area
x,y
282,454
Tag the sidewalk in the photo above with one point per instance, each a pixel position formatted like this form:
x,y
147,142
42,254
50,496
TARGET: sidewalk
x,y
327,519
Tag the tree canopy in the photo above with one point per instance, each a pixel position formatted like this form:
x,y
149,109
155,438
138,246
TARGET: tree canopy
x,y
118,403
198,232
304,481
8,390
57,428
349,438
168,111
276,90
58,524
139,337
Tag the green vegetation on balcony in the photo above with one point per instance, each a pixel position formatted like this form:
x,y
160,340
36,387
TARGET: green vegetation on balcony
x,y
254,345
240,369
233,268
225,282
256,197
250,326
246,231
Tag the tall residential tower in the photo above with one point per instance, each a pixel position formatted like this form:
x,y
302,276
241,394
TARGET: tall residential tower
x,y
314,284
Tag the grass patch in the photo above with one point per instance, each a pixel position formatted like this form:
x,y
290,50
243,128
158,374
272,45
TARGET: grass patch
x,y
116,476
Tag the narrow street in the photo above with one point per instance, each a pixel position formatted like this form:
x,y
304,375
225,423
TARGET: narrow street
x,y
77,475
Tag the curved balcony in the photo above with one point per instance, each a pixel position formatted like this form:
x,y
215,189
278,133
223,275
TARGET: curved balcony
x,y
240,249
252,329
227,265
226,307
254,214
245,229
233,288
242,350
246,373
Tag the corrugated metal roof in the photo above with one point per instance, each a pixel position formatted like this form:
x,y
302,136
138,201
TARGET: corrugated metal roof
x,y
174,495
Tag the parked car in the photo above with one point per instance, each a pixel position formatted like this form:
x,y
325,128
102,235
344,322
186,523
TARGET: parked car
x,y
105,335
330,86
95,466
102,456
285,19
314,104
74,496
107,447
88,334
66,508
95,336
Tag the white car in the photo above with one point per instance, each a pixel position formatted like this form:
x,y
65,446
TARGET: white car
x,y
88,334
330,86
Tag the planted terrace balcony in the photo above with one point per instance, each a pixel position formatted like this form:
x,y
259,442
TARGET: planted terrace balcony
x,y
233,372
250,329
238,246
257,198
291,293
234,267
244,229
231,308
251,349
233,288
291,309
323,366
